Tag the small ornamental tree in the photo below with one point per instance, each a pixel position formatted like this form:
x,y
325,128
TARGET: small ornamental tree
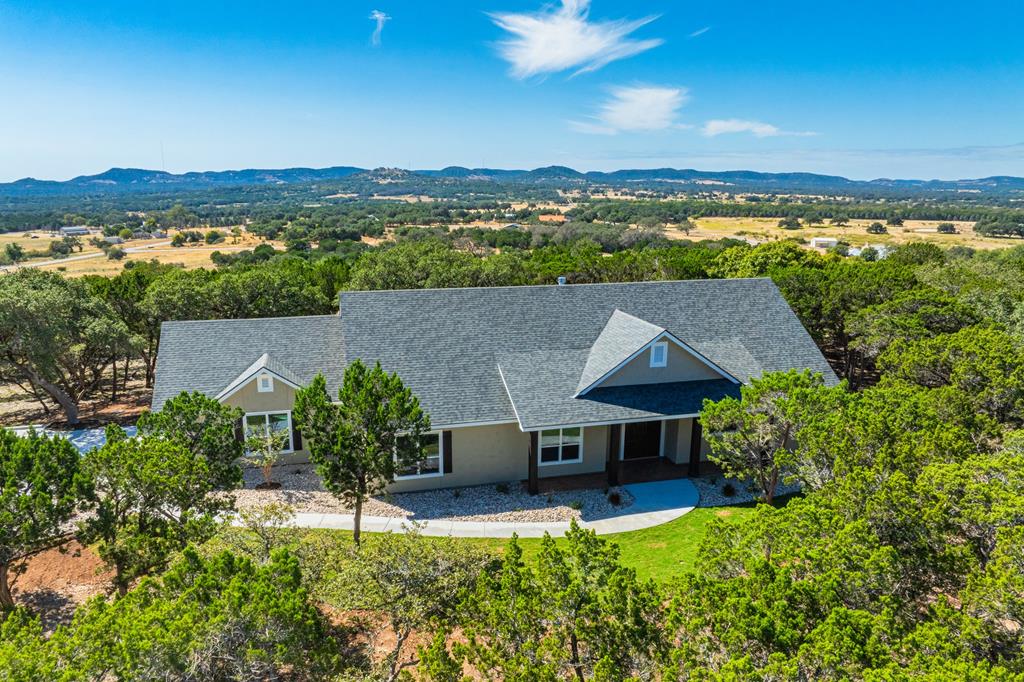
x,y
204,426
41,488
361,442
752,437
152,500
264,446
876,228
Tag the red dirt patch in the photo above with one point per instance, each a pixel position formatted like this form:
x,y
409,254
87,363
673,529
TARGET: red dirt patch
x,y
57,581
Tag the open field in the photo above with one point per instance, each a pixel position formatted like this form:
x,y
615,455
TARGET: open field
x,y
189,256
767,229
38,240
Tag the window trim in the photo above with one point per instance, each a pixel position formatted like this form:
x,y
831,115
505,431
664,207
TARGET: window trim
x,y
561,444
270,383
266,421
440,460
663,347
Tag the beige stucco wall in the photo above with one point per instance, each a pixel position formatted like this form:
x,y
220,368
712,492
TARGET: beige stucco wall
x,y
681,366
281,399
499,454
595,448
680,454
480,454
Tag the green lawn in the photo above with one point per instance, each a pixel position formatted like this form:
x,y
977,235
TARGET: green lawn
x,y
661,552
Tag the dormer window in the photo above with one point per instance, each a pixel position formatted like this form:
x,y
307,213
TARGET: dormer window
x,y
265,383
659,354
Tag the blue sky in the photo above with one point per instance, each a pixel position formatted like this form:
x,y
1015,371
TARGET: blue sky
x,y
902,88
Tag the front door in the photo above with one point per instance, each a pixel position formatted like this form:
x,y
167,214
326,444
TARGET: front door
x,y
642,439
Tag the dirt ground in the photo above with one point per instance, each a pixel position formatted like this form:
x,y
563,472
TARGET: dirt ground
x,y
18,408
58,580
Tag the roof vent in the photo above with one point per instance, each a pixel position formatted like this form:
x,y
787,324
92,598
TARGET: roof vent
x,y
561,281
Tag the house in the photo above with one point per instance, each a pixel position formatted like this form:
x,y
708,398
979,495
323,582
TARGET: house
x,y
113,239
75,231
520,383
824,242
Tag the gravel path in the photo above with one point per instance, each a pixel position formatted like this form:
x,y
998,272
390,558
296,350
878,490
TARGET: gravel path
x,y
302,490
713,494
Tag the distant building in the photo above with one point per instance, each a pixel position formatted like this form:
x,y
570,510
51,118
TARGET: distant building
x,y
159,234
113,239
75,231
824,242
141,234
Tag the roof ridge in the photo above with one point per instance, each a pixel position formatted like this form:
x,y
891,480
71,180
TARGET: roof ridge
x,y
348,292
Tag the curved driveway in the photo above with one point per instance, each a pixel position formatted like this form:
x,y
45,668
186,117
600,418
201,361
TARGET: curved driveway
x,y
654,503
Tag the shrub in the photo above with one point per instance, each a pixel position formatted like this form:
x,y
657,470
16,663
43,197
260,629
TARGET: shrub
x,y
576,504
115,253
946,228
615,498
729,490
502,488
790,223
876,228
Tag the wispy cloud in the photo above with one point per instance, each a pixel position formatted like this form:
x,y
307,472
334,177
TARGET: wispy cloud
x,y
728,126
635,108
699,32
558,38
380,18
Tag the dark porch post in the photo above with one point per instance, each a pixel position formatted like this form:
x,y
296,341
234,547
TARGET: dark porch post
x,y
531,484
695,437
612,463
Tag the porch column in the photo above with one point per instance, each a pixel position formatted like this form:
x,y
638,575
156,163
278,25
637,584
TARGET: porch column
x,y
612,462
695,437
531,484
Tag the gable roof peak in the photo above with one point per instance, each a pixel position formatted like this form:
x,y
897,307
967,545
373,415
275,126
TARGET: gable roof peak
x,y
622,336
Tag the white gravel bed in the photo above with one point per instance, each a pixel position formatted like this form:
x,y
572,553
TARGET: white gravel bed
x,y
712,491
301,488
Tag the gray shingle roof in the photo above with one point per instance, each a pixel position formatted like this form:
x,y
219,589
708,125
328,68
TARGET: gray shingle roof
x,y
208,355
446,344
622,336
542,383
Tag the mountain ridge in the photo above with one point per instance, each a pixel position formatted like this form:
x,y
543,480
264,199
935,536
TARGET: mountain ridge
x,y
132,180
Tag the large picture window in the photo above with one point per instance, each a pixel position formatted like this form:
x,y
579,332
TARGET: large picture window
x,y
430,465
561,446
255,422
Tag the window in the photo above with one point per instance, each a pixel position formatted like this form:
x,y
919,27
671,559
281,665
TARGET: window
x,y
659,354
265,383
560,446
275,421
430,465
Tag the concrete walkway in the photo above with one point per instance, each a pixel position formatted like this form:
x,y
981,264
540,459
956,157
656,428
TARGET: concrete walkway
x,y
654,503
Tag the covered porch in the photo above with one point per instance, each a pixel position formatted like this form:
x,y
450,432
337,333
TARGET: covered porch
x,y
629,452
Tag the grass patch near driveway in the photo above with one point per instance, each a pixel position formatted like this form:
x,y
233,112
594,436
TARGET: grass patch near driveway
x,y
661,552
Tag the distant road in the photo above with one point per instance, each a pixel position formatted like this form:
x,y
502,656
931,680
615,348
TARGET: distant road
x,y
84,256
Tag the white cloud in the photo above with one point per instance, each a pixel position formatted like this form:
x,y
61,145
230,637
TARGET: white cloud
x,y
635,108
699,32
380,18
717,127
558,38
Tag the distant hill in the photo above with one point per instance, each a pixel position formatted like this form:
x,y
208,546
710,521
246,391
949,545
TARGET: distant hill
x,y
132,180
138,181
